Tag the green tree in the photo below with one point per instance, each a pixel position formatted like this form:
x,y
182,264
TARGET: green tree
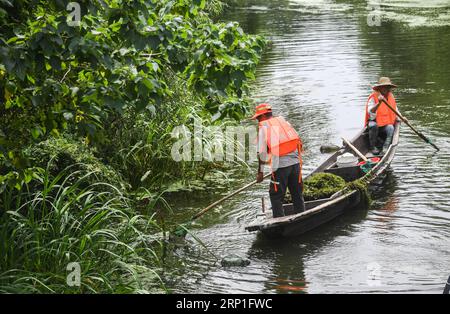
x,y
56,77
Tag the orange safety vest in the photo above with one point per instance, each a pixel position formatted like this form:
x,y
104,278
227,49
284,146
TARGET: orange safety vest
x,y
385,115
281,138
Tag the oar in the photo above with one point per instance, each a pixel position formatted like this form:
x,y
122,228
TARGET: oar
x,y
420,134
355,150
368,164
203,211
182,231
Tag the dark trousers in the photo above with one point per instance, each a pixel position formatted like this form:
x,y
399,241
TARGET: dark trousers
x,y
282,179
375,132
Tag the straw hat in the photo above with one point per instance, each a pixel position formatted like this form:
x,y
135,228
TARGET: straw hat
x,y
384,81
261,109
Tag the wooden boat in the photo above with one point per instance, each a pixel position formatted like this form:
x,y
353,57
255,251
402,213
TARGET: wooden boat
x,y
319,212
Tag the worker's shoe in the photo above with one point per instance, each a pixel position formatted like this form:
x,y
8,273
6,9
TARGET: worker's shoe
x,y
375,151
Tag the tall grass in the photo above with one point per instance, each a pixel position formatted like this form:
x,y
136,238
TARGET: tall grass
x,y
142,143
59,221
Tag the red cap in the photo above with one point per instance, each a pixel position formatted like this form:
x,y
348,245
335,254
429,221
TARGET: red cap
x,y
261,109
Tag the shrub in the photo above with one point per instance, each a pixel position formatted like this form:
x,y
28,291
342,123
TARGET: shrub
x,y
44,230
59,153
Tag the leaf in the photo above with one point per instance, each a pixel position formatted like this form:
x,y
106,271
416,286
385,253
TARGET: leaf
x,y
74,43
199,54
145,175
153,65
124,51
36,100
7,3
14,39
9,64
140,104
7,95
148,83
238,77
20,70
114,103
31,79
28,176
139,42
35,132
153,41
8,104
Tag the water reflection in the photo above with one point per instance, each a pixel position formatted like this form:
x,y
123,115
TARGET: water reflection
x,y
286,256
286,260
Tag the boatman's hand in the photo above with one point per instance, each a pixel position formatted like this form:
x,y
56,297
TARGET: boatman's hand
x,y
381,98
260,177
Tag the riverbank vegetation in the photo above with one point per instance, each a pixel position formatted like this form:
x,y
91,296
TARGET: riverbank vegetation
x,y
86,118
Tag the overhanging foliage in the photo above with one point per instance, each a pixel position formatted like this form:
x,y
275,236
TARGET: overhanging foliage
x,y
56,77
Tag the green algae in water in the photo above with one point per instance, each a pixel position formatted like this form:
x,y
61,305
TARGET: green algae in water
x,y
322,185
362,186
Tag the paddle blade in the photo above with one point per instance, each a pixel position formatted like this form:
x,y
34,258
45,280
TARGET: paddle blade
x,y
432,144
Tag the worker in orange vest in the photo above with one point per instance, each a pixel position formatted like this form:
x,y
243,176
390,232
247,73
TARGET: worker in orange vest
x,y
379,119
280,146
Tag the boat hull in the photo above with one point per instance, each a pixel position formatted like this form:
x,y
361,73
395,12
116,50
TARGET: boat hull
x,y
321,212
302,226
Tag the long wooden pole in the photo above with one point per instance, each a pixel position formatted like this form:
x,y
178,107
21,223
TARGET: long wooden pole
x,y
200,213
355,149
420,134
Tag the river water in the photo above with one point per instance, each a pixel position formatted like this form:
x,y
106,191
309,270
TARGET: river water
x,y
317,73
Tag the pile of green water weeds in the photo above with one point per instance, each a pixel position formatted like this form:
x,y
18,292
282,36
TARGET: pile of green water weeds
x,y
324,185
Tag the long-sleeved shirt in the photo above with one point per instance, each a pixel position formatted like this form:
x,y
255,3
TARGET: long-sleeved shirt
x,y
372,104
